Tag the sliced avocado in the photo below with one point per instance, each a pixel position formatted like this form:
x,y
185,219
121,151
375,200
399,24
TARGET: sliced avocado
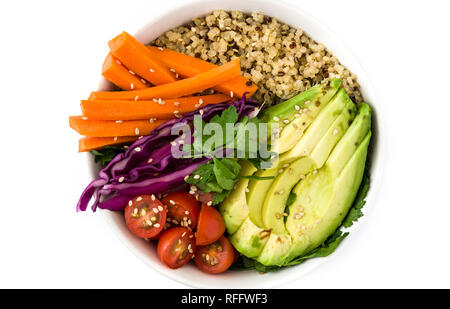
x,y
353,137
234,208
305,115
322,150
257,190
324,198
275,201
318,128
276,250
249,239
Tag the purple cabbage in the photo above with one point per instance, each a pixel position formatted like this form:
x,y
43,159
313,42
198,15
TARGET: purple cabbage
x,y
152,169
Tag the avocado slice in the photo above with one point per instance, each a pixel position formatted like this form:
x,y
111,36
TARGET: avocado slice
x,y
234,208
324,198
257,192
305,115
275,200
353,137
250,239
276,250
318,128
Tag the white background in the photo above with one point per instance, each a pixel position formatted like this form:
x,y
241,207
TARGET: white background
x,y
51,54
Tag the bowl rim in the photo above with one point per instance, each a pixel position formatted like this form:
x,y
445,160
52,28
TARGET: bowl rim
x,y
378,154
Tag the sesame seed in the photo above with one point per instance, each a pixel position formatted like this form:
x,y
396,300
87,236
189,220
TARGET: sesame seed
x,y
130,203
119,121
296,115
151,70
143,81
172,202
297,107
157,225
137,149
115,138
155,100
153,218
285,121
121,179
152,120
160,208
136,131
176,103
143,212
150,161
191,192
153,197
160,48
84,118
285,214
191,236
139,198
176,111
247,190
136,98
280,171
176,75
231,94
161,101
286,165
201,112
200,101
193,188
335,132
155,210
132,86
173,143
209,204
276,118
181,142
184,233
118,62
314,172
196,176
135,211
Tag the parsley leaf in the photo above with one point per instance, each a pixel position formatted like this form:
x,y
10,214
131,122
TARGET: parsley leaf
x,y
107,153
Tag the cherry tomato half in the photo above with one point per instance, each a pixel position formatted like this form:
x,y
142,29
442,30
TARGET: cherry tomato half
x,y
216,257
176,246
210,226
182,208
145,216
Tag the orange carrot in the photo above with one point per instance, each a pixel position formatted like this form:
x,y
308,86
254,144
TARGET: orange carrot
x,y
102,128
116,73
176,89
89,143
131,110
138,58
188,66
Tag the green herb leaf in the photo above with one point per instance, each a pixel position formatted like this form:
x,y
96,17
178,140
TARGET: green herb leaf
x,y
291,199
107,153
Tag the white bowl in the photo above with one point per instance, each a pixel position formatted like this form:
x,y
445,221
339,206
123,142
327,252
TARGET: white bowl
x,y
295,17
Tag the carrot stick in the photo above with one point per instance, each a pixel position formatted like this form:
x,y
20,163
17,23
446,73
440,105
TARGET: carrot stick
x,y
89,143
176,89
116,73
138,58
102,128
131,110
188,66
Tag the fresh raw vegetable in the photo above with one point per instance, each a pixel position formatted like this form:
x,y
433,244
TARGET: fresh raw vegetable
x,y
127,175
107,153
158,109
216,257
188,66
102,128
116,73
177,89
140,60
90,143
176,247
210,226
145,216
182,209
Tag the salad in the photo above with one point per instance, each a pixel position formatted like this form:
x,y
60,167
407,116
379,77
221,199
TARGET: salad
x,y
212,175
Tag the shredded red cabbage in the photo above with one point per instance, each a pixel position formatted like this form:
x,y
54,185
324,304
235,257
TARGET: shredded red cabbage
x,y
148,166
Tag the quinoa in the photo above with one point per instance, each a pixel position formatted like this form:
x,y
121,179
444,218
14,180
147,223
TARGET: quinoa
x,y
281,60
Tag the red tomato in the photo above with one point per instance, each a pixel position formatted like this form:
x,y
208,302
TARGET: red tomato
x,y
210,226
145,216
176,247
216,257
182,208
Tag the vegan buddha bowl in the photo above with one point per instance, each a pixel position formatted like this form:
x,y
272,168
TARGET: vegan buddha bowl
x,y
229,145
